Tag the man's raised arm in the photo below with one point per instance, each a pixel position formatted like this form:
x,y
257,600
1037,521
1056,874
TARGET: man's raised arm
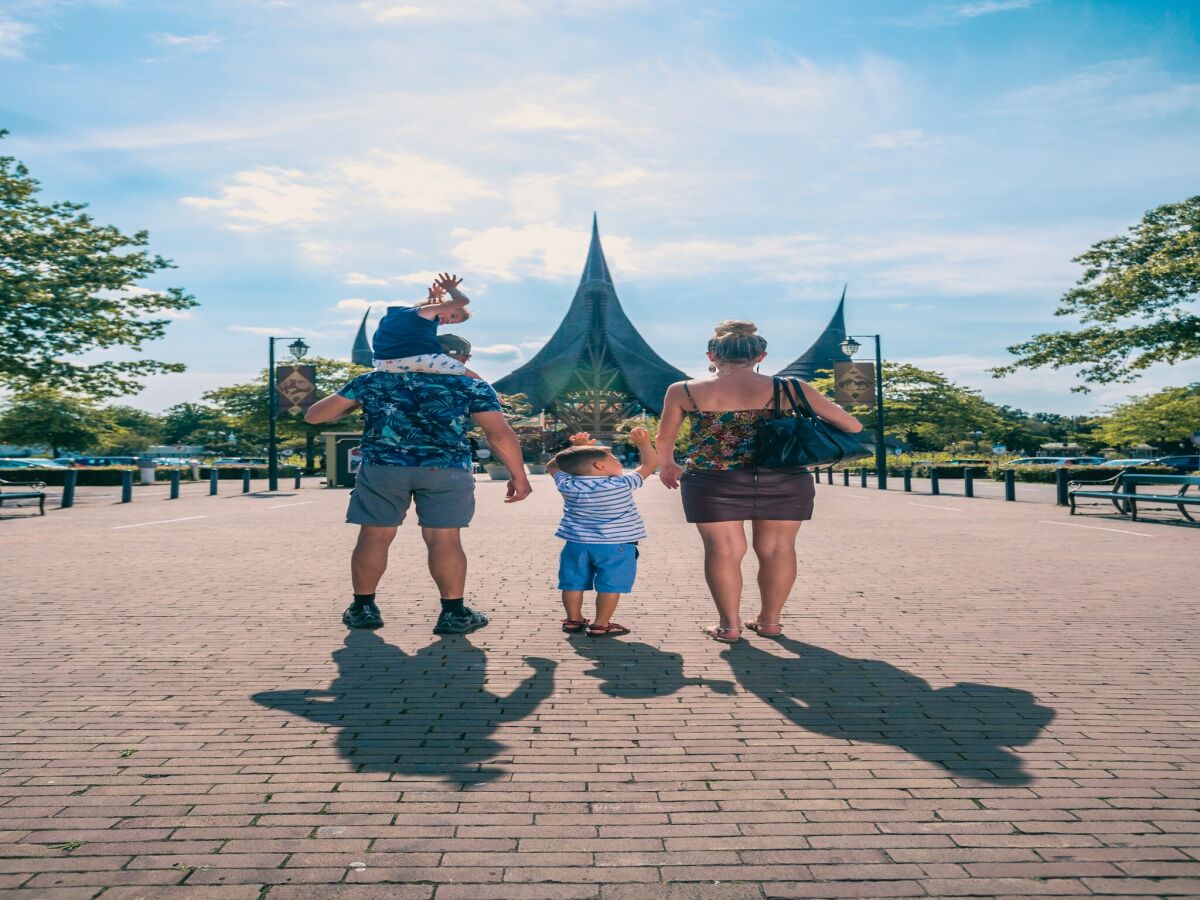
x,y
330,409
504,443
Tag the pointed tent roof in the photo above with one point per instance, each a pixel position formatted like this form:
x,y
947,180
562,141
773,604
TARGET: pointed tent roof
x,y
595,319
826,349
361,353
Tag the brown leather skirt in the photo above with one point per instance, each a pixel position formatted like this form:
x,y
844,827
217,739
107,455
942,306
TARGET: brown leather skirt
x,y
733,495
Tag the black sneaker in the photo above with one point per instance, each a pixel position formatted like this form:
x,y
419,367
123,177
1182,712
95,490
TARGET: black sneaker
x,y
460,623
365,616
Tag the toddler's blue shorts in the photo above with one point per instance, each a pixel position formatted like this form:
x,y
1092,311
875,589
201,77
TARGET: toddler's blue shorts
x,y
611,568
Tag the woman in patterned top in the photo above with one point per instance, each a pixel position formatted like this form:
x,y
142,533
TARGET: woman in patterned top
x,y
721,486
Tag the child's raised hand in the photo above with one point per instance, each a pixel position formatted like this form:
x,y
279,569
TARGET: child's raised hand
x,y
448,282
581,439
437,293
639,436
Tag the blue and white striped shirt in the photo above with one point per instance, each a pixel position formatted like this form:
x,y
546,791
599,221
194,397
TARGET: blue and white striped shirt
x,y
599,510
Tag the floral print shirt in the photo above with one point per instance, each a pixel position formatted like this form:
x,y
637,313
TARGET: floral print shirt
x,y
723,440
416,419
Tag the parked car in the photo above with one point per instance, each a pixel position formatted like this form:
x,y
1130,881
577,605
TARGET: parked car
x,y
1180,463
1083,460
76,462
967,462
242,461
174,461
27,462
1057,461
1125,463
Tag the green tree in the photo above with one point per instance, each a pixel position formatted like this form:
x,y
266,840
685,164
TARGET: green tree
x,y
1135,300
926,409
1166,419
133,430
192,423
69,286
1024,432
46,417
244,408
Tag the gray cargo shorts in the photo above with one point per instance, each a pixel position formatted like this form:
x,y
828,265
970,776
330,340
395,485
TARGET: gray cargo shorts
x,y
445,498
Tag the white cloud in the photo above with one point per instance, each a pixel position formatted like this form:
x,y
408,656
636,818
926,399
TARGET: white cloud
x,y
274,330
987,7
266,196
410,182
538,117
549,252
905,138
197,42
1111,91
12,37
357,303
361,278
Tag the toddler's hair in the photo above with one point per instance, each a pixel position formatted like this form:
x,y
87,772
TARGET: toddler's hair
x,y
736,341
578,460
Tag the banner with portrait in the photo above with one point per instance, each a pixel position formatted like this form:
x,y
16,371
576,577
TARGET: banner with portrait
x,y
854,384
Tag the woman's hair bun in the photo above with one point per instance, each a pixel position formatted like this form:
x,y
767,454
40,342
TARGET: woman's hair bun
x,y
734,326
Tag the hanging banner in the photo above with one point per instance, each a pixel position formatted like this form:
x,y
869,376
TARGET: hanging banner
x,y
854,383
295,388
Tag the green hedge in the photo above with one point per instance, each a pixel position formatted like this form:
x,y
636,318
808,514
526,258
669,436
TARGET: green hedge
x,y
229,472
107,476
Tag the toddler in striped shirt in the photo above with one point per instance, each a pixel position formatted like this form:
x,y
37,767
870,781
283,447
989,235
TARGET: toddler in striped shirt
x,y
601,527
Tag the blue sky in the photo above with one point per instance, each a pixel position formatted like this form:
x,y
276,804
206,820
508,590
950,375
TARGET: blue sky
x,y
303,160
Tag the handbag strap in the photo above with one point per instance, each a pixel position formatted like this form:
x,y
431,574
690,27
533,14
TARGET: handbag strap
x,y
795,395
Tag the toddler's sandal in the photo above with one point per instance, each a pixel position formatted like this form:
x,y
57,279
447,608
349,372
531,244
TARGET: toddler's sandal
x,y
612,629
574,626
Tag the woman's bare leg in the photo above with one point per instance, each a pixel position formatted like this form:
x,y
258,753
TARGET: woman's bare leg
x,y
775,547
724,549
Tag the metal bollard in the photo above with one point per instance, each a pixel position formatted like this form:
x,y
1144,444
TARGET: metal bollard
x,y
297,479
862,477
846,477
174,484
934,487
213,477
829,475
908,479
969,481
126,487
70,479
1010,485
1060,484
246,481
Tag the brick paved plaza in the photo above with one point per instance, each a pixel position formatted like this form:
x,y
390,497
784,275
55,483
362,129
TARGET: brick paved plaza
x,y
972,699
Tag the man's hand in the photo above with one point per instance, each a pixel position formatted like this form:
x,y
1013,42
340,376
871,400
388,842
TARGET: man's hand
x,y
640,437
581,439
518,490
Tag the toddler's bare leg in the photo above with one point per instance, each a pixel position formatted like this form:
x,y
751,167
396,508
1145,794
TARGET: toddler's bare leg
x,y
606,605
573,604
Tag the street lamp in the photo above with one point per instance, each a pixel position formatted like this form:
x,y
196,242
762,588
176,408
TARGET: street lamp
x,y
977,436
297,348
850,346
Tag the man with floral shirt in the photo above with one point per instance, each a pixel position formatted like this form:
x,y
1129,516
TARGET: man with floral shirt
x,y
415,450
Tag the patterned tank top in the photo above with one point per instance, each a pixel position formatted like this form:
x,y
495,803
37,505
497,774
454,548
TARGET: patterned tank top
x,y
723,440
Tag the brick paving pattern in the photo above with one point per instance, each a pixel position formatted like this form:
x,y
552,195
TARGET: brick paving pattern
x,y
972,699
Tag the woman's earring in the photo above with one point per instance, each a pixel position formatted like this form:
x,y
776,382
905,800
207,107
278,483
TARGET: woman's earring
x,y
712,367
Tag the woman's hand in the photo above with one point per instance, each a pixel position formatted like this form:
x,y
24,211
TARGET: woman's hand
x,y
669,473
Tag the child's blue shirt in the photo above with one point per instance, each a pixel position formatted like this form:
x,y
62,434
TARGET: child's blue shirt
x,y
403,332
599,510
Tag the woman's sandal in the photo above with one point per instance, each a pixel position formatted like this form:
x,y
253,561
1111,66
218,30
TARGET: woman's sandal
x,y
721,635
761,628
612,629
574,626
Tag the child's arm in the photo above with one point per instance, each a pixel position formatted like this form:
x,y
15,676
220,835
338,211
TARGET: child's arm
x,y
641,439
578,439
448,284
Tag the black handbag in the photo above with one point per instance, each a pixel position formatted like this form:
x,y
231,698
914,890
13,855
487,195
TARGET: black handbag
x,y
802,439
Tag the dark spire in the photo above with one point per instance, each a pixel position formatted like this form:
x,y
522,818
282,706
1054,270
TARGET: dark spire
x,y
826,349
360,353
596,267
594,334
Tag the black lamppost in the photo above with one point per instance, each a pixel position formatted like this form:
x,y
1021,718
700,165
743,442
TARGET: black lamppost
x,y
297,348
850,346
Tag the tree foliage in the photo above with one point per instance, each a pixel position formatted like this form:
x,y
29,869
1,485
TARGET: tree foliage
x,y
925,409
68,286
132,431
192,423
47,417
1166,419
1135,301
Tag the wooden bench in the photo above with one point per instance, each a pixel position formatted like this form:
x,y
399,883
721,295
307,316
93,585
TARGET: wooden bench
x,y
1124,494
30,491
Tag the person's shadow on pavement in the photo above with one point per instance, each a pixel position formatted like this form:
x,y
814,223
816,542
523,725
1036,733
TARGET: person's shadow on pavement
x,y
967,729
633,670
427,712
